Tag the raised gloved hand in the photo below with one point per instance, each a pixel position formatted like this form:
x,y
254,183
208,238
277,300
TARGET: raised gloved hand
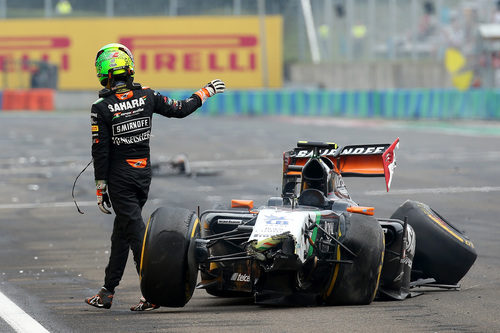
x,y
213,87
102,196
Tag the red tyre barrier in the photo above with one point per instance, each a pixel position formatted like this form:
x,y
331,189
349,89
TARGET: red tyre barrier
x,y
34,100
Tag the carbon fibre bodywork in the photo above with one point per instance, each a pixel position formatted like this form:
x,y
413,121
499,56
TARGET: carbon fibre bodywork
x,y
258,253
314,245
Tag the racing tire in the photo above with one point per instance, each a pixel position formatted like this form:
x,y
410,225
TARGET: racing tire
x,y
357,283
168,268
442,251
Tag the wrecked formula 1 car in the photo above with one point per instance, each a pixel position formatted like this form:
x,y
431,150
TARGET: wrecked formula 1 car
x,y
312,246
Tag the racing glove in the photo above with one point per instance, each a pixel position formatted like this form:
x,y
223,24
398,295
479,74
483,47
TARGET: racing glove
x,y
102,196
213,87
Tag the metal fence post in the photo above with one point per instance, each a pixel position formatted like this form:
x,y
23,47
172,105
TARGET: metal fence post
x,y
173,7
48,8
371,29
311,31
414,28
350,22
437,12
328,24
393,22
110,4
236,7
3,9
302,43
261,4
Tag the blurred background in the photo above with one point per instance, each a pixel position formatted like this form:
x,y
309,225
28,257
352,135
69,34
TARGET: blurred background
x,y
360,58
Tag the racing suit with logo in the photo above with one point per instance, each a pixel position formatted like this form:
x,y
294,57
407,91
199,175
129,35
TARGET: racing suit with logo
x,y
121,128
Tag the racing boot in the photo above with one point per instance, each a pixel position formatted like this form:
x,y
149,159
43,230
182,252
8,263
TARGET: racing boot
x,y
144,306
103,299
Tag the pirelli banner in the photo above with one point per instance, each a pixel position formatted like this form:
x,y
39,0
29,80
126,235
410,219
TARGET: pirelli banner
x,y
170,53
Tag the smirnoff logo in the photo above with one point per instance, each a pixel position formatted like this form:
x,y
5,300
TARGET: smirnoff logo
x,y
131,126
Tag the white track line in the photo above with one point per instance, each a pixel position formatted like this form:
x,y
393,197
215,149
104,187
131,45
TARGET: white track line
x,y
235,163
30,169
19,320
47,205
437,190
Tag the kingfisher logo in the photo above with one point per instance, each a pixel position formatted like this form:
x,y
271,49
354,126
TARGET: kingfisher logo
x,y
194,53
52,49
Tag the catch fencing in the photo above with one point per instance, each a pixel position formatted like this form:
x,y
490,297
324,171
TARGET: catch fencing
x,y
345,30
330,33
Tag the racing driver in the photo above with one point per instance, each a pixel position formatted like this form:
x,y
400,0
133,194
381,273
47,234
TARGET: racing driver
x,y
121,122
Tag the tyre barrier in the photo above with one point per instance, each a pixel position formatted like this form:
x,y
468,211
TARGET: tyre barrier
x,y
32,99
386,104
403,104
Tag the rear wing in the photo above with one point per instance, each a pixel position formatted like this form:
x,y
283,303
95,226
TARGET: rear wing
x,y
370,160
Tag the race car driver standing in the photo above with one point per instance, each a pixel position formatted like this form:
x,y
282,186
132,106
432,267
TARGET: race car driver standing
x,y
121,121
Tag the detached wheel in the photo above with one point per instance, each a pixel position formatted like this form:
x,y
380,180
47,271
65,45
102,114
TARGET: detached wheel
x,y
442,251
168,267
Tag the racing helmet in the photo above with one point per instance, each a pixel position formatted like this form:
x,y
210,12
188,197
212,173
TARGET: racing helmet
x,y
113,60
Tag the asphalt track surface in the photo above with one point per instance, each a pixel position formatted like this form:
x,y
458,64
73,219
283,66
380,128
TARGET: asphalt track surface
x,y
51,257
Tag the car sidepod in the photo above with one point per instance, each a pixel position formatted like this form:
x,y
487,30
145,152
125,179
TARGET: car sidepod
x,y
231,278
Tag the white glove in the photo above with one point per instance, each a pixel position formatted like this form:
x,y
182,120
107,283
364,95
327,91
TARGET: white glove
x,y
102,196
213,87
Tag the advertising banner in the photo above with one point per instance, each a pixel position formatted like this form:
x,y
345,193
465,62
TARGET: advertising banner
x,y
170,53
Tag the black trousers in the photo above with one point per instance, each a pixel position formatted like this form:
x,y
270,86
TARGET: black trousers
x,y
128,189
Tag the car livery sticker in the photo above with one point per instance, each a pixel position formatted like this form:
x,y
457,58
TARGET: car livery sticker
x,y
240,277
309,152
229,221
364,150
314,234
272,222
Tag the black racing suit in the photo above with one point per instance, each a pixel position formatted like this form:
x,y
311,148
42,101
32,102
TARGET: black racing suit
x,y
121,128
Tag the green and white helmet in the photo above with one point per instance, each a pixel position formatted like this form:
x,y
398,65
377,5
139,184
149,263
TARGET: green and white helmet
x,y
113,59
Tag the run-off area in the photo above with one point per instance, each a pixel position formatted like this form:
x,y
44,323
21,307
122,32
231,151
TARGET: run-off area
x,y
54,257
